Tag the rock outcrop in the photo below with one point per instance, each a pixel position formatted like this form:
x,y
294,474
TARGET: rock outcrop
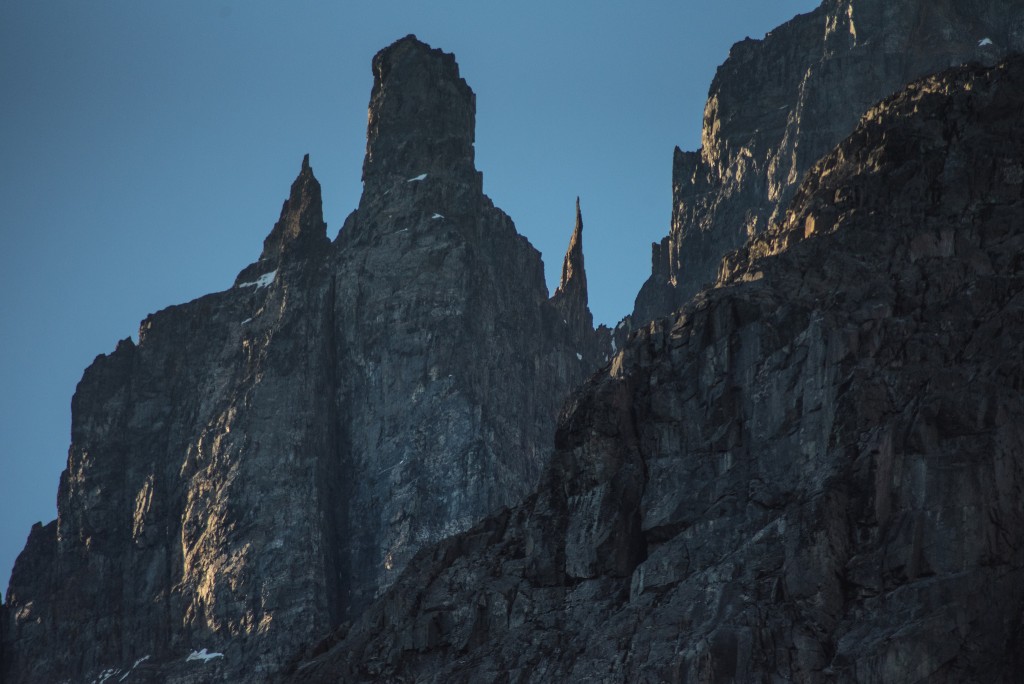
x,y
779,104
813,472
266,459
571,297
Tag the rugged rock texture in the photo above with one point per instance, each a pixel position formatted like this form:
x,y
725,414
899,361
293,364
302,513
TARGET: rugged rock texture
x,y
571,297
266,459
812,473
779,104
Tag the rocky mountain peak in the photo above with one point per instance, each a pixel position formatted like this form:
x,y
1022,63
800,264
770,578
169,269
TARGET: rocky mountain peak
x,y
778,105
810,473
573,275
271,457
421,115
571,296
299,232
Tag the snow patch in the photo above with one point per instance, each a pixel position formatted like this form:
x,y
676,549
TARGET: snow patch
x,y
613,343
106,674
984,41
436,216
262,281
134,665
579,356
245,321
417,178
203,655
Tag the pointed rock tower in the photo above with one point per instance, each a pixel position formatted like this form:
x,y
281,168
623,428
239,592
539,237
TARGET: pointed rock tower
x,y
301,228
456,362
422,117
300,232
571,301
571,296
267,459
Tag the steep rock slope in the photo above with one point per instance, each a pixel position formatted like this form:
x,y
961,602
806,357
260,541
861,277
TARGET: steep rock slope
x,y
266,459
812,473
779,104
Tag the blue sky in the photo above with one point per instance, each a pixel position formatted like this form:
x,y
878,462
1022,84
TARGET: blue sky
x,y
146,147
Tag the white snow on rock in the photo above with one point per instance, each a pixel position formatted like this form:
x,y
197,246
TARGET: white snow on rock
x,y
984,41
105,675
203,655
579,356
266,279
262,281
417,178
436,216
135,665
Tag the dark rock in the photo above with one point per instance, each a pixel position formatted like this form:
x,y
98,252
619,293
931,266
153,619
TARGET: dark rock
x,y
779,104
571,300
813,472
422,118
266,460
300,232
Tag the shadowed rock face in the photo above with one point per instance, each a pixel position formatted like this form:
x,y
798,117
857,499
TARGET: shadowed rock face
x,y
813,472
422,116
779,104
266,459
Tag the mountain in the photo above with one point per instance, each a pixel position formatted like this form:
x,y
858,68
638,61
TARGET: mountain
x,y
392,456
812,472
777,105
267,459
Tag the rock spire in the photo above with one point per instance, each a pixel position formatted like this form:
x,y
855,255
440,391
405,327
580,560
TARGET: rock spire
x,y
571,296
300,231
301,227
421,115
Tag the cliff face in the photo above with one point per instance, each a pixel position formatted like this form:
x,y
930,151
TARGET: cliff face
x,y
778,105
266,459
813,472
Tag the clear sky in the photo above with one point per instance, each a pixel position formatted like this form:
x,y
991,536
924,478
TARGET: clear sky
x,y
146,147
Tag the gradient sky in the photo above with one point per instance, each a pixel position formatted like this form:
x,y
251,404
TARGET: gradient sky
x,y
146,147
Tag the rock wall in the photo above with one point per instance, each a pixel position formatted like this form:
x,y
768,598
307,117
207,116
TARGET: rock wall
x,y
266,459
777,105
811,473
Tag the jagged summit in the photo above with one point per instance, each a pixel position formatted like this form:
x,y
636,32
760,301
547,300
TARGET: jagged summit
x,y
299,232
421,116
269,458
811,473
573,274
778,105
571,297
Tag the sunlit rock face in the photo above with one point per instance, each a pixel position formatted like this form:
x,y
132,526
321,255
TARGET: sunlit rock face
x,y
811,473
266,459
779,104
